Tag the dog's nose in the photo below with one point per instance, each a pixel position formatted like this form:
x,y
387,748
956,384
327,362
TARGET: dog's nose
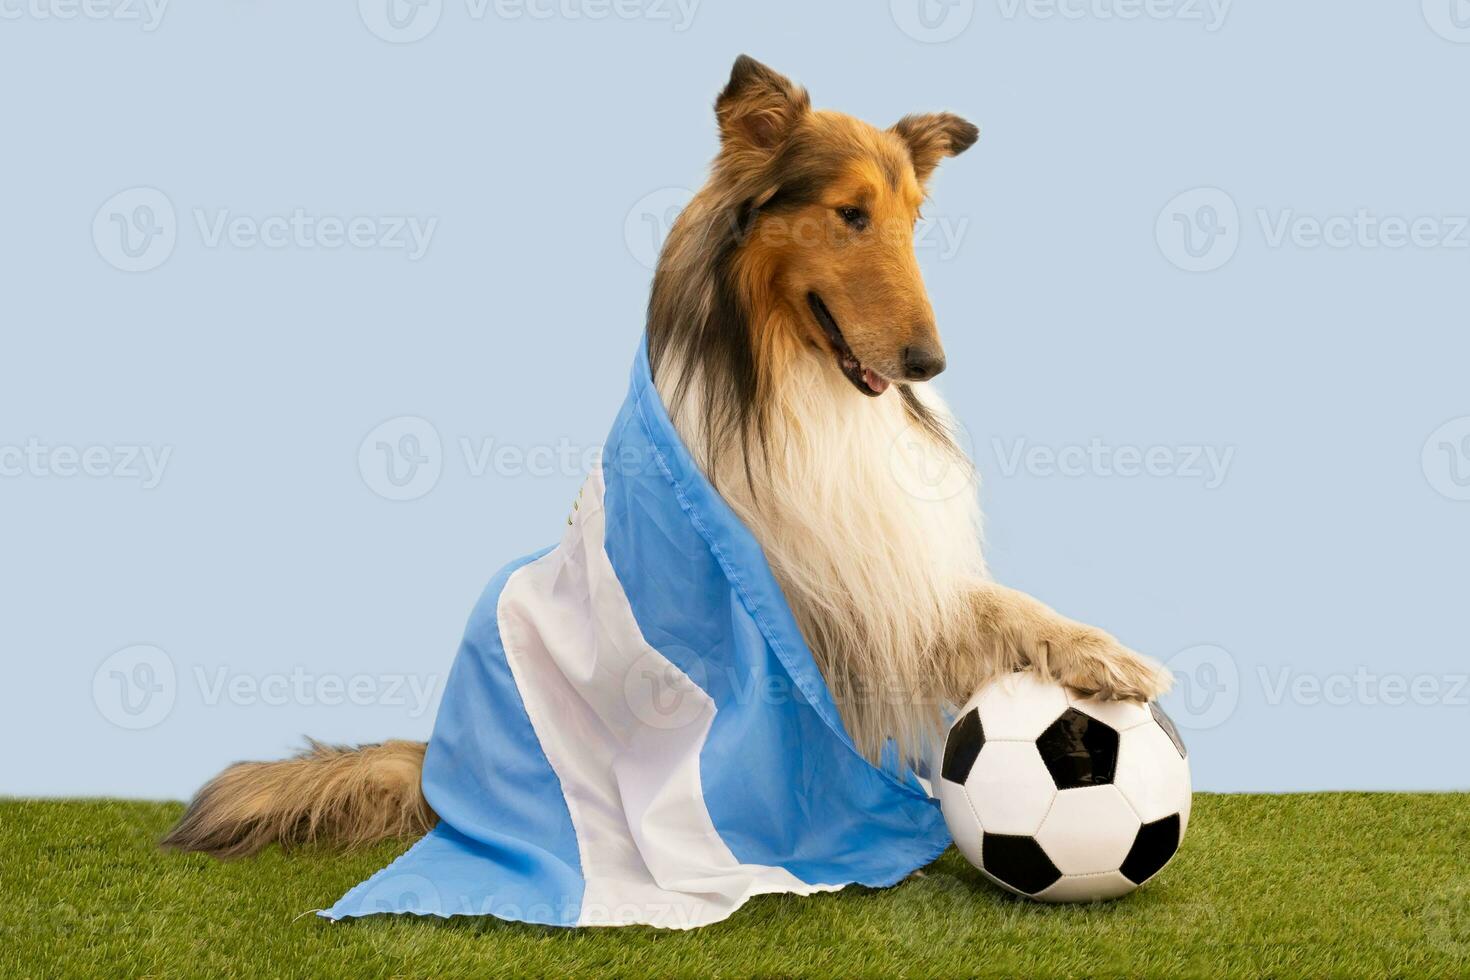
x,y
920,363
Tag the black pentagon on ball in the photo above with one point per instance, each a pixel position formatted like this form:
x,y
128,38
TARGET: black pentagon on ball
x,y
1167,724
965,741
1079,750
1019,862
1152,848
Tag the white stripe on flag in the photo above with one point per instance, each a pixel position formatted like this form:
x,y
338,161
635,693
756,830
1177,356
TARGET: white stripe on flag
x,y
623,729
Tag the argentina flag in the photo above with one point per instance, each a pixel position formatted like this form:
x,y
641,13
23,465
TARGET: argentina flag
x,y
634,731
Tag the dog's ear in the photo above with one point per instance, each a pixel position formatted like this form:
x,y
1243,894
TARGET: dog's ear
x,y
759,107
933,136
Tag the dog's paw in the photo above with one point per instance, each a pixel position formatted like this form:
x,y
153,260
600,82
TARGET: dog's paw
x,y
1094,664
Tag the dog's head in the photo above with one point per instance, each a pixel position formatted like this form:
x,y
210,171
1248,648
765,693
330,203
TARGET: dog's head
x,y
827,210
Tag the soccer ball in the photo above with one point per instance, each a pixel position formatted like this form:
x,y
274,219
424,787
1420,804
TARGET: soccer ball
x,y
1063,798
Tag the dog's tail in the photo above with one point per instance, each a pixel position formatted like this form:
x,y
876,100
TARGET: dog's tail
x,y
334,794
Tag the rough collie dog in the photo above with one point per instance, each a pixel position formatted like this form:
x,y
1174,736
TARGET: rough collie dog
x,y
791,339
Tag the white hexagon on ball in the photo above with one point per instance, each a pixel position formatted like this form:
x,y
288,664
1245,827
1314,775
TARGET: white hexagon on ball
x,y
1088,831
1010,789
1152,776
1019,707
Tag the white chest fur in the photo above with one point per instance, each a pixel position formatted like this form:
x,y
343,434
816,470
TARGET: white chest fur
x,y
872,527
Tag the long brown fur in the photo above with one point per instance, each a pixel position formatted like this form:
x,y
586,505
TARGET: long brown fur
x,y
345,796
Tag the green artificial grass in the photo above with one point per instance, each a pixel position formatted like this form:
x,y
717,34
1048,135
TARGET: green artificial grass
x,y
1281,886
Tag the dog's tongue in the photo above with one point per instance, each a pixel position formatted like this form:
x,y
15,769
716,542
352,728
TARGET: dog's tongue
x,y
875,381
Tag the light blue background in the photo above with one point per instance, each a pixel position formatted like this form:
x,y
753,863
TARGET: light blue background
x,y
1333,545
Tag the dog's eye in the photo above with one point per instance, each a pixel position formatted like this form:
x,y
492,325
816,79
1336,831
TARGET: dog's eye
x,y
854,217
